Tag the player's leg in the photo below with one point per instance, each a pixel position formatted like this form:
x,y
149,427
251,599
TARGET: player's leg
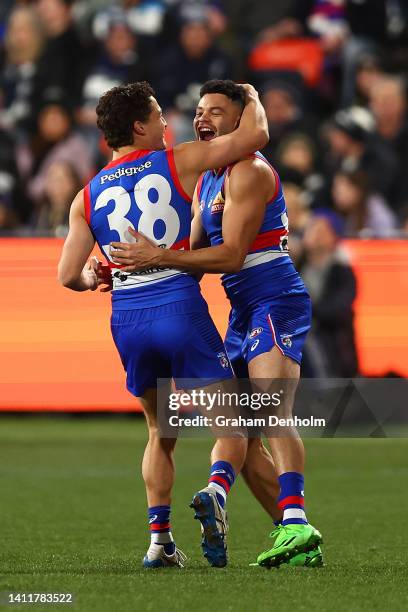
x,y
294,535
158,475
131,331
260,475
227,458
258,469
201,362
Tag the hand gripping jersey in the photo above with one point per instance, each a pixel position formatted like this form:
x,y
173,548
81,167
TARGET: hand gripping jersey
x,y
270,304
160,322
141,190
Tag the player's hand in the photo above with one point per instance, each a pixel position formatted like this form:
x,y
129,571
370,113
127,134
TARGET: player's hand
x,y
250,92
103,274
134,256
89,276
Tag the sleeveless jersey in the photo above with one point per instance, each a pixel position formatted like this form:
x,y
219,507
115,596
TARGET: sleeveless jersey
x,y
267,268
141,190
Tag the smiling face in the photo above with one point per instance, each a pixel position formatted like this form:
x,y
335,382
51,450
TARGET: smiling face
x,y
216,115
155,127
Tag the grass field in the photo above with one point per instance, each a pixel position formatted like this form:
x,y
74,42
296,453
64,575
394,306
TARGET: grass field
x,y
73,519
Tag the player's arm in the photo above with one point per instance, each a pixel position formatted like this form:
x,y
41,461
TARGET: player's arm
x,y
73,270
248,188
198,236
193,158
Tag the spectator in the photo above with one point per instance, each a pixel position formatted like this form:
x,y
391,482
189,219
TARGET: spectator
x,y
23,73
298,215
180,73
365,213
62,183
179,11
12,201
56,140
389,105
368,72
143,17
352,28
63,54
298,153
118,62
353,147
284,110
330,345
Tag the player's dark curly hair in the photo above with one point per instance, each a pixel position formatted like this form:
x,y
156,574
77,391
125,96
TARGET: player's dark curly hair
x,y
119,108
228,88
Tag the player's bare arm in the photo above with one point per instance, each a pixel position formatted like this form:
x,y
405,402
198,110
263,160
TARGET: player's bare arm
x,y
198,236
74,270
250,185
193,158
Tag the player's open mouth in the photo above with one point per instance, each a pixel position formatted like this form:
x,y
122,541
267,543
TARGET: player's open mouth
x,y
206,133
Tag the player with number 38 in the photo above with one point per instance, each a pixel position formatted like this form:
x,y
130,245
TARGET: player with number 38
x,y
160,321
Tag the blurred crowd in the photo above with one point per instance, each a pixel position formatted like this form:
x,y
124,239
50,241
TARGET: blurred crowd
x,y
331,73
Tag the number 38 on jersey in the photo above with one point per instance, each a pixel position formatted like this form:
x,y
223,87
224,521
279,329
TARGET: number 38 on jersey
x,y
151,202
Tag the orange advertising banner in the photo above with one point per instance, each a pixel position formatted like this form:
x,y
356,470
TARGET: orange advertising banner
x,y
57,353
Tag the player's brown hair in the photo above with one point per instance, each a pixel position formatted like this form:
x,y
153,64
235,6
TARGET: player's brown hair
x,y
119,108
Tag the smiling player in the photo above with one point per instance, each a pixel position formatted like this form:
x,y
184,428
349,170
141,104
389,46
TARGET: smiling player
x,y
160,322
240,211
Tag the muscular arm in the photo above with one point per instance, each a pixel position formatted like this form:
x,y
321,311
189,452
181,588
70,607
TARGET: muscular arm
x,y
250,185
77,248
193,158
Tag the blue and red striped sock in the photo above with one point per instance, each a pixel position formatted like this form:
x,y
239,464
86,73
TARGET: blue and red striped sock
x,y
291,498
222,477
160,528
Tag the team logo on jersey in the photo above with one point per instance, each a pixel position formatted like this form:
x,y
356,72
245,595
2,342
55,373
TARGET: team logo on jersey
x,y
218,203
255,332
202,205
223,360
286,340
255,344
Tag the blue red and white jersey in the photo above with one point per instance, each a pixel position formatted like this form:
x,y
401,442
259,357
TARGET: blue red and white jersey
x,y
268,257
141,190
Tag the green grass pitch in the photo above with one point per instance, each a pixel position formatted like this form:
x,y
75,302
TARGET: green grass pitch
x,y
73,519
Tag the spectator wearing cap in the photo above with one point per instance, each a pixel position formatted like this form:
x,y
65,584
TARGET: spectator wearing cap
x,y
352,146
366,214
330,349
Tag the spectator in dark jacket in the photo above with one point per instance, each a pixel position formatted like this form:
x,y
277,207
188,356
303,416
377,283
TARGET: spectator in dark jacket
x,y
23,72
330,346
353,146
63,53
185,67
